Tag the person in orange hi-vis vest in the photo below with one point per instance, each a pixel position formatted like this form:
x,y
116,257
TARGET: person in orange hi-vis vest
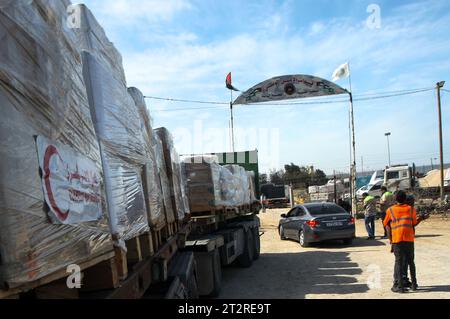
x,y
401,219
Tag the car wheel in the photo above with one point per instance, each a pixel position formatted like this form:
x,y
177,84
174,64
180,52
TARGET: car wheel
x,y
282,236
302,239
348,241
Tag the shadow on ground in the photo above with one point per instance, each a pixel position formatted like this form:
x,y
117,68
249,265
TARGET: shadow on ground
x,y
338,244
434,289
428,236
294,276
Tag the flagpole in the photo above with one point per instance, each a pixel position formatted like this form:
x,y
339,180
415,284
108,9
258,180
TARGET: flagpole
x,y
232,122
353,143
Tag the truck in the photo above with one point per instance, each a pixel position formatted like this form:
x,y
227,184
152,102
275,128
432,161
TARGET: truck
x,y
107,163
330,192
275,196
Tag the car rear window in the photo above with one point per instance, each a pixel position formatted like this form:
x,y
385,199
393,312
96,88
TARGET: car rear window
x,y
326,210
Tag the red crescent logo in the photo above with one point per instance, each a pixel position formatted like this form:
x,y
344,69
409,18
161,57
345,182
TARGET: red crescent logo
x,y
50,151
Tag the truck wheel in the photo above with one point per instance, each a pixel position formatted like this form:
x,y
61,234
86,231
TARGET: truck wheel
x,y
246,259
257,241
217,268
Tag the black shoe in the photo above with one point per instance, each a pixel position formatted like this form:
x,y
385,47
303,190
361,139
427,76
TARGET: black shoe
x,y
407,284
414,287
398,290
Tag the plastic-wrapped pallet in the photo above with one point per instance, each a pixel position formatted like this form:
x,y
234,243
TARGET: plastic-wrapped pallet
x,y
92,38
239,184
251,186
203,181
164,180
60,219
313,189
118,127
172,160
152,183
184,190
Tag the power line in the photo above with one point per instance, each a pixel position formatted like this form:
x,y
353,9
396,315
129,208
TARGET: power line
x,y
370,96
185,101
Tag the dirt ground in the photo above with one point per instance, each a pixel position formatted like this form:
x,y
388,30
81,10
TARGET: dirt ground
x,y
332,270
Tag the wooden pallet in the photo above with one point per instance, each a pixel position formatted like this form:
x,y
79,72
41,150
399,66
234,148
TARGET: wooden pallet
x,y
138,249
97,273
151,271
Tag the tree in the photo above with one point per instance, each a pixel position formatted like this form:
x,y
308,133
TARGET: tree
x,y
277,177
296,175
320,178
263,179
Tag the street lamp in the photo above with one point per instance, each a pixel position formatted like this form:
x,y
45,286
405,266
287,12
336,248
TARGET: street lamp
x,y
439,86
432,164
389,147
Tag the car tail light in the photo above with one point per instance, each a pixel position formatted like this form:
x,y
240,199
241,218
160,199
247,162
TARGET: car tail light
x,y
312,223
352,221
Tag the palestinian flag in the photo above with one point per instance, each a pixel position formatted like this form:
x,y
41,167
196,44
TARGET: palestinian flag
x,y
230,84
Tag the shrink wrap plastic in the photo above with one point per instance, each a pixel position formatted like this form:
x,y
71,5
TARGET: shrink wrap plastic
x,y
118,126
152,183
42,94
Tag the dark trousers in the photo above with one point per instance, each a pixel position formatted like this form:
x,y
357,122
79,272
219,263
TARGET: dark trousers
x,y
404,257
370,226
383,216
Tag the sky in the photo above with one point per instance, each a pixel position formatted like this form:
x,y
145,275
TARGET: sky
x,y
183,49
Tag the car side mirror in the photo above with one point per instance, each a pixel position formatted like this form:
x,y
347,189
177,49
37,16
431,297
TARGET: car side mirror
x,y
284,216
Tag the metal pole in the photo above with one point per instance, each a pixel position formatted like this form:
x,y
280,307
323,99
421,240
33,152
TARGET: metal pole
x,y
232,122
389,150
362,165
441,146
335,188
354,200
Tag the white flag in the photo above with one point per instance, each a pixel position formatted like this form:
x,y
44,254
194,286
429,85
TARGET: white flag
x,y
341,72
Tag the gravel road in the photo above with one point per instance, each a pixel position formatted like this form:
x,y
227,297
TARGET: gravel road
x,y
332,270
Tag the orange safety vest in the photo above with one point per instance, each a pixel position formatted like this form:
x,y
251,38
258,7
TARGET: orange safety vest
x,y
401,219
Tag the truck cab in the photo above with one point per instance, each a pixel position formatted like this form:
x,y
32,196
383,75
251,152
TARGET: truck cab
x,y
399,177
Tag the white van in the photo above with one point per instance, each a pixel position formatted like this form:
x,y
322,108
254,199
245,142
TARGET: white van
x,y
371,189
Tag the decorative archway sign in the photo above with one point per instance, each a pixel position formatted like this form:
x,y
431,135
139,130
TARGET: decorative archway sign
x,y
300,86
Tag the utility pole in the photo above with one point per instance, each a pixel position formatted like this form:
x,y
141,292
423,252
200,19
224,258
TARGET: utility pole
x,y
335,188
389,147
432,163
439,86
362,165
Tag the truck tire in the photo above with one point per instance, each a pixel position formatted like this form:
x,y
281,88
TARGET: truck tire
x,y
217,268
257,241
246,259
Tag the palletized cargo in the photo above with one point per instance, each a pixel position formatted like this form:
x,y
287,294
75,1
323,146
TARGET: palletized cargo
x,y
52,201
83,171
174,173
203,183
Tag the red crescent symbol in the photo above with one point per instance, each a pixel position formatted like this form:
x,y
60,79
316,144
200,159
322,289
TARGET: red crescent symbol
x,y
51,150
